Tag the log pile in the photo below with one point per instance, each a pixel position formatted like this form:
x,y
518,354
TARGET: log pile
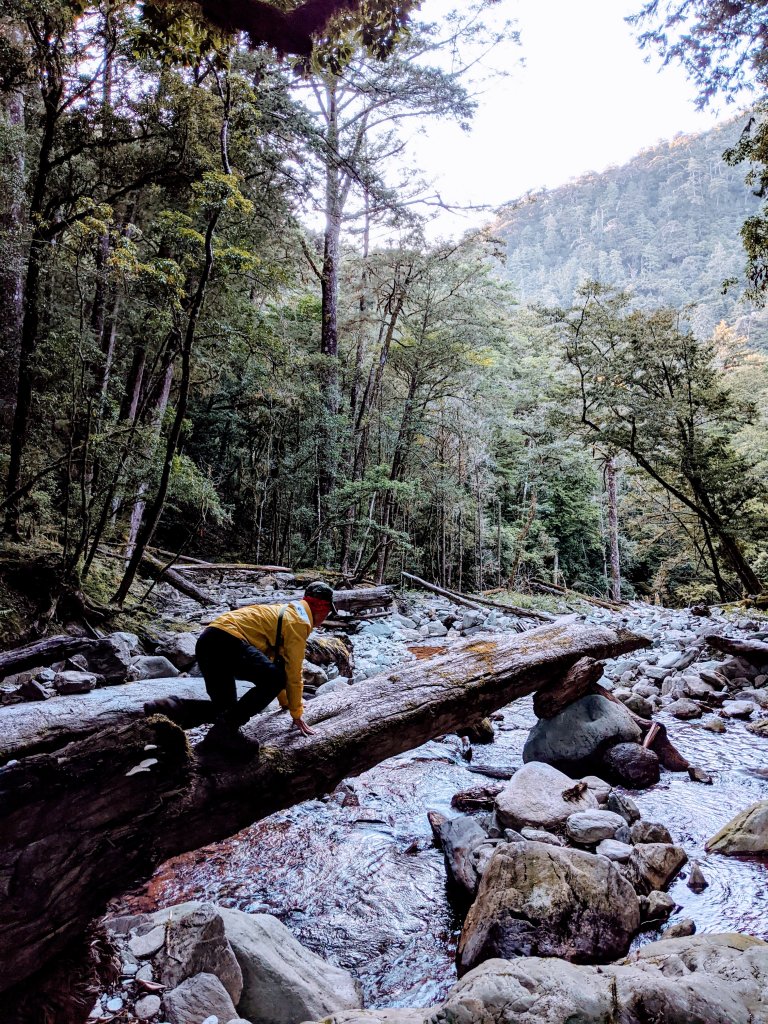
x,y
89,817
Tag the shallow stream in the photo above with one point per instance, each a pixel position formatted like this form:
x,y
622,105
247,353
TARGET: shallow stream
x,y
357,879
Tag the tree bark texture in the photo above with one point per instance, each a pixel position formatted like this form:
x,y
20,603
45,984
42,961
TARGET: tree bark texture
x,y
613,529
79,827
754,651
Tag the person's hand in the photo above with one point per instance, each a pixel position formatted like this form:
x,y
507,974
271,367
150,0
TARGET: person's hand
x,y
303,728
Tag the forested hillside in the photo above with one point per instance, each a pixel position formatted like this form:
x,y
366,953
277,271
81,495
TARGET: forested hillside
x,y
665,225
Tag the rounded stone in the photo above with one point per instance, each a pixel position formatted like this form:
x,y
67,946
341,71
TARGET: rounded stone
x,y
147,1007
590,827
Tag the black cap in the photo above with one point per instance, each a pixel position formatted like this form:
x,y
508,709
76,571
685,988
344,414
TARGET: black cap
x,y
321,592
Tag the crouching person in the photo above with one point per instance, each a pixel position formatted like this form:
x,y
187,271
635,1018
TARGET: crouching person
x,y
262,644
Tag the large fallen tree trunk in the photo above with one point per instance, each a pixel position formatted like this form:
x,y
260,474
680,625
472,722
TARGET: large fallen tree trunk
x,y
83,824
754,651
353,601
43,652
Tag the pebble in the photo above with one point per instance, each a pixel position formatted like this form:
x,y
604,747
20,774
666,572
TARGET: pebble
x,y
114,1004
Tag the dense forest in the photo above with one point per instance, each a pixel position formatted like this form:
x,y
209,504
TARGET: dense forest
x,y
192,363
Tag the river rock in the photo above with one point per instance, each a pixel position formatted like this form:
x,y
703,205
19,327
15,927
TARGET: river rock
x,y
654,865
148,940
197,998
72,681
696,880
746,833
30,690
624,805
459,837
150,666
738,708
538,900
714,724
539,835
110,658
684,709
614,850
759,728
179,649
195,943
632,765
658,907
650,832
574,738
541,796
147,1007
678,929
638,705
590,827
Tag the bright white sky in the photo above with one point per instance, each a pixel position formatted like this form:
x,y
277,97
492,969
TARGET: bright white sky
x,y
583,100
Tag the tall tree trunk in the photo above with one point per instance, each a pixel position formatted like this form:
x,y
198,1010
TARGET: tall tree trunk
x,y
613,529
11,280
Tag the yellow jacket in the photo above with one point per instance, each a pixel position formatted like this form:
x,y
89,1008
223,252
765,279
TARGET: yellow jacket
x,y
257,625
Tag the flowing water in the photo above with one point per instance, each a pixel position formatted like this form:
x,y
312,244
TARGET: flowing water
x,y
357,879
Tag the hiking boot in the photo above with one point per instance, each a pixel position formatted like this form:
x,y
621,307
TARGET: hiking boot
x,y
226,741
168,706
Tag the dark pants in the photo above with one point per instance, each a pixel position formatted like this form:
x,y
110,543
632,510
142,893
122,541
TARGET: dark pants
x,y
223,659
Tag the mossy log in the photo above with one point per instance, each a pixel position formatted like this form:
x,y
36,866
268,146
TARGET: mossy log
x,y
80,825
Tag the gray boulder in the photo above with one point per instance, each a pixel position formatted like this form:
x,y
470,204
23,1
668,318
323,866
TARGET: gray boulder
x,y
746,833
540,900
110,658
283,982
196,999
650,832
712,979
684,709
179,649
574,738
152,666
459,838
195,943
614,850
542,797
72,681
654,865
625,806
590,827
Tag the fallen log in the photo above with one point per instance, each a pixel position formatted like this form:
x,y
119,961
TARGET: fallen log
x,y
231,566
754,651
80,826
42,653
478,603
156,570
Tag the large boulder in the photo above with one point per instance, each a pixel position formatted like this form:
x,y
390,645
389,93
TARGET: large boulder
x,y
708,979
631,765
195,943
654,865
541,796
746,833
276,980
283,982
541,900
574,739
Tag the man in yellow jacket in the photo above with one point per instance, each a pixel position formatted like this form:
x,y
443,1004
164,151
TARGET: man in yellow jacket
x,y
263,644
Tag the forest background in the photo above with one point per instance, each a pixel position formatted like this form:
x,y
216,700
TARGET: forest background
x,y
225,333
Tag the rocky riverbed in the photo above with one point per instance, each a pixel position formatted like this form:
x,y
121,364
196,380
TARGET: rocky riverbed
x,y
357,879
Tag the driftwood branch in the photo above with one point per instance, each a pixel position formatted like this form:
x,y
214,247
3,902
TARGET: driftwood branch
x,y
81,825
555,588
42,653
477,603
156,570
